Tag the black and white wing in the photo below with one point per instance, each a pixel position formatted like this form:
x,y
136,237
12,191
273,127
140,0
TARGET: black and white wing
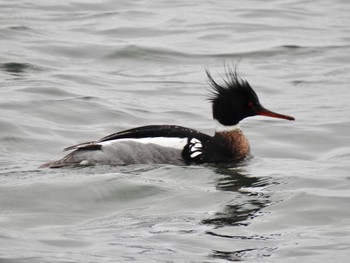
x,y
164,135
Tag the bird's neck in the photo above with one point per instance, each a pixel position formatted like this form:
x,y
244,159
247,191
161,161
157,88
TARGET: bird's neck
x,y
235,140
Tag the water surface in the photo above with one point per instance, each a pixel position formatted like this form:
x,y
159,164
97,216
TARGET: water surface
x,y
76,71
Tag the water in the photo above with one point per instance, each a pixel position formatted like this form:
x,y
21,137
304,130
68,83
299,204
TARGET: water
x,y
75,71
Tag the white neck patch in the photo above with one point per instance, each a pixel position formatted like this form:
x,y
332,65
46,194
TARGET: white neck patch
x,y
224,128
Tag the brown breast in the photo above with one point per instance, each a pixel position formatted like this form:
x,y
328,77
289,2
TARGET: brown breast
x,y
236,141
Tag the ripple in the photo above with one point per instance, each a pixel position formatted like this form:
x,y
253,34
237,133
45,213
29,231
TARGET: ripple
x,y
16,67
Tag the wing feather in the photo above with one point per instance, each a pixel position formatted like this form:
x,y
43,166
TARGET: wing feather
x,y
143,132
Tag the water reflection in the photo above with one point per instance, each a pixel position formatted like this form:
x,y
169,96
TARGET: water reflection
x,y
248,206
240,255
234,178
14,67
18,69
247,203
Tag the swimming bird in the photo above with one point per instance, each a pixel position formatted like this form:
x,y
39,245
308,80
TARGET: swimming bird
x,y
232,101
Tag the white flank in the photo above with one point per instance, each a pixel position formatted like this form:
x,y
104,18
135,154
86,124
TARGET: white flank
x,y
177,143
224,128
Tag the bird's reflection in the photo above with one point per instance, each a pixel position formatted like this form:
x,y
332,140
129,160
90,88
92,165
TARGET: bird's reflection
x,y
14,68
247,203
239,255
239,210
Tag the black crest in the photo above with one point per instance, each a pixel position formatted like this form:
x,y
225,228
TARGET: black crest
x,y
233,100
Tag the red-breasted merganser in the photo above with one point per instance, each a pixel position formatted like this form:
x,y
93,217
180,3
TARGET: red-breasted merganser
x,y
231,101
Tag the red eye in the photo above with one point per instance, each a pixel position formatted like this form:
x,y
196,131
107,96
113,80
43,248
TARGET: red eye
x,y
250,104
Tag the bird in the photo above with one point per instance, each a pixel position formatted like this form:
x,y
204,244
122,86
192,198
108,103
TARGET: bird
x,y
232,101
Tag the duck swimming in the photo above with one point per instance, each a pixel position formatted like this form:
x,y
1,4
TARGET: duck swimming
x,y
231,102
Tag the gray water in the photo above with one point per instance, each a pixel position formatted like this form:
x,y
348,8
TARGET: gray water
x,y
74,71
